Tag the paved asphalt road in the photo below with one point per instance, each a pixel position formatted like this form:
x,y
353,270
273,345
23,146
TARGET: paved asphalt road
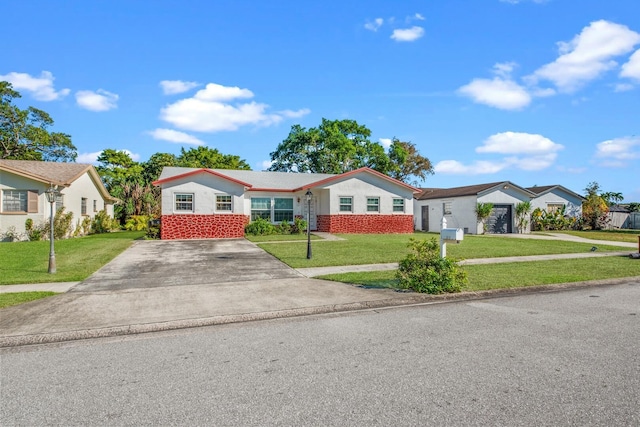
x,y
560,358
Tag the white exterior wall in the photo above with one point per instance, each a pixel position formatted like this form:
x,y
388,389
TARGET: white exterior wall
x,y
557,196
462,213
508,196
204,188
84,186
360,188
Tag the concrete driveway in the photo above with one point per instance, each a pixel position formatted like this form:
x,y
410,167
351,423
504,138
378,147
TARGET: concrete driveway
x,y
153,264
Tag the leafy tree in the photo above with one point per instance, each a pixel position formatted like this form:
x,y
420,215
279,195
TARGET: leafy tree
x,y
522,215
338,146
24,134
483,211
407,162
634,207
611,198
594,208
117,167
204,157
153,167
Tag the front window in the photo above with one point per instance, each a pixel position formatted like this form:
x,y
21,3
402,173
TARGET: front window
x,y
554,207
282,210
14,201
184,202
373,204
59,202
223,202
95,206
398,205
260,208
83,206
446,208
346,204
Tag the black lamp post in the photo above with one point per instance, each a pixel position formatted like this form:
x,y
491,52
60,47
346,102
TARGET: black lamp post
x,y
309,195
51,194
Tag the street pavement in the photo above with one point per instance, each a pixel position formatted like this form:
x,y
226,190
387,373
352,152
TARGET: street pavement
x,y
165,285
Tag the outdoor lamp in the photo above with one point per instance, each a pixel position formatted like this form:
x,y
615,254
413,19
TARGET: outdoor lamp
x,y
309,195
51,194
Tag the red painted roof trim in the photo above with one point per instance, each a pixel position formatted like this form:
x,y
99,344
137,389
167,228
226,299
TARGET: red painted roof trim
x,y
195,172
357,171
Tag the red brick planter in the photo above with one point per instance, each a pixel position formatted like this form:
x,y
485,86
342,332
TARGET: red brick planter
x,y
202,226
366,224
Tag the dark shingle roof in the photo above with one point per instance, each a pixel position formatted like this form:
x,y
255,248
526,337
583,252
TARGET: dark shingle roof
x,y
469,190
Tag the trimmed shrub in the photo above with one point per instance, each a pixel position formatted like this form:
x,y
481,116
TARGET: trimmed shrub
x,y
299,226
34,232
423,270
103,223
259,227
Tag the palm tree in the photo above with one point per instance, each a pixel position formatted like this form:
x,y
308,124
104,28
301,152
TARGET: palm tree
x,y
522,215
483,211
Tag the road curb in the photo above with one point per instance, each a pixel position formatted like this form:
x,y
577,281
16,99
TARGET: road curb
x,y
406,299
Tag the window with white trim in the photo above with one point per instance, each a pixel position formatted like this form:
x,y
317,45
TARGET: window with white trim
x,y
183,202
223,202
373,204
346,204
398,205
554,207
260,208
446,208
15,201
282,209
95,206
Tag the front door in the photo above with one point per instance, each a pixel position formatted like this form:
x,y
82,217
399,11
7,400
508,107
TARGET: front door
x,y
313,220
425,218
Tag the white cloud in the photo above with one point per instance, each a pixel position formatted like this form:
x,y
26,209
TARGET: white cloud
x,y
175,136
265,164
374,25
504,69
619,151
386,142
211,110
476,168
41,88
518,143
632,68
100,100
172,87
623,87
88,157
407,34
532,163
499,93
419,17
587,56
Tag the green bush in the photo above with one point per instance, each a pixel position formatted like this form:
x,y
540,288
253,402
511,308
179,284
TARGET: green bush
x,y
103,223
137,223
299,226
61,225
423,270
259,227
283,228
34,232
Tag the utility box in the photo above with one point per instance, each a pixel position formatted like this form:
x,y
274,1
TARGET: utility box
x,y
452,234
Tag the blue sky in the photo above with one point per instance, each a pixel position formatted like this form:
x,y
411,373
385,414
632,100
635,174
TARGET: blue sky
x,y
532,91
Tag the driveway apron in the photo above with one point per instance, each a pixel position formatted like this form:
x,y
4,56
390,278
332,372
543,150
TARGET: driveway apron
x,y
152,264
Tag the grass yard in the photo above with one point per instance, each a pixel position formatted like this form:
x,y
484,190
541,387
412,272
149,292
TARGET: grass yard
x,y
514,275
76,259
385,248
629,236
280,238
15,298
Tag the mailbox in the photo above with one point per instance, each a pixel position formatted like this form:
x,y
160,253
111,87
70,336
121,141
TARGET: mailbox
x,y
455,234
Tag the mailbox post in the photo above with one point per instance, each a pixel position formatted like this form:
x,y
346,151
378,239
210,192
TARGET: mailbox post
x,y
452,235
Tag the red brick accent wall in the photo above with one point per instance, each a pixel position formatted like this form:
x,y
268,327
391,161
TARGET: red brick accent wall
x,y
202,226
366,224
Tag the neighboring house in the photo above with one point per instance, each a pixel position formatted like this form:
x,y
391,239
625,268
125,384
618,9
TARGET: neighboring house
x,y
553,197
22,192
218,203
458,205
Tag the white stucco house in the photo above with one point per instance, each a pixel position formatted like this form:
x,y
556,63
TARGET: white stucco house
x,y
218,203
458,205
22,192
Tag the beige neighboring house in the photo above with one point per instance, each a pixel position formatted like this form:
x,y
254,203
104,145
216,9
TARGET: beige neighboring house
x,y
22,192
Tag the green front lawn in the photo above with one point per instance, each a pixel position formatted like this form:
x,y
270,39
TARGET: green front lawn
x,y
386,248
279,238
630,236
15,298
514,275
76,259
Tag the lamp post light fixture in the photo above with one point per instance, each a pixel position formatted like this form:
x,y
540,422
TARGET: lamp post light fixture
x,y
309,196
51,194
